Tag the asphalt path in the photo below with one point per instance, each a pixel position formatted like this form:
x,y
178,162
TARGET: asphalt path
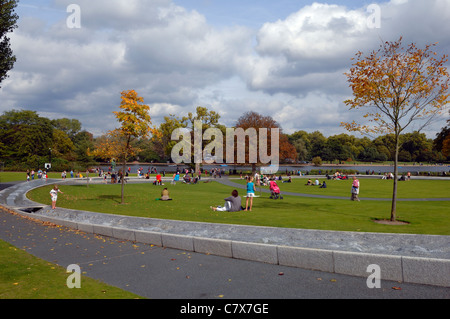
x,y
161,273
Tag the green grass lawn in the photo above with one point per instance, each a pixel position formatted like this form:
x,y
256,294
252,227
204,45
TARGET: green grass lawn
x,y
370,188
192,202
6,177
24,276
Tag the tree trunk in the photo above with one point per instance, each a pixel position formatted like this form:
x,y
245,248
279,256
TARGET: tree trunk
x,y
197,168
394,192
122,179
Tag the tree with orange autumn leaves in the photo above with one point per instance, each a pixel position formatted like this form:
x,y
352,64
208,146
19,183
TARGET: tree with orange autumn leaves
x,y
397,86
135,123
254,120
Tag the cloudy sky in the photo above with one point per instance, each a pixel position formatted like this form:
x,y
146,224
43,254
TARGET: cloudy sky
x,y
283,58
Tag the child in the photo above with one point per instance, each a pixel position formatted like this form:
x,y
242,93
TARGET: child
x,y
250,194
54,195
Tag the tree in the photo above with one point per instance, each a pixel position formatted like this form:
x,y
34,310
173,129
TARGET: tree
x,y
301,143
443,137
26,137
398,86
208,119
62,145
418,146
317,144
166,128
287,151
446,146
135,122
83,142
147,151
69,126
8,21
252,120
317,161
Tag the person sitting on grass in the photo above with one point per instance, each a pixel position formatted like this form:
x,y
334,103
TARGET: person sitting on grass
x,y
165,194
232,203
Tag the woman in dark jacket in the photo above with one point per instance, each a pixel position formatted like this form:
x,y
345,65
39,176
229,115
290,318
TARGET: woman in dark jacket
x,y
232,203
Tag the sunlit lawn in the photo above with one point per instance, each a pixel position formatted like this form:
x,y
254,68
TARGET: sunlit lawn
x,y
6,177
369,187
192,203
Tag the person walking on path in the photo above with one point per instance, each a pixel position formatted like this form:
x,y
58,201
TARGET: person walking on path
x,y
54,195
355,189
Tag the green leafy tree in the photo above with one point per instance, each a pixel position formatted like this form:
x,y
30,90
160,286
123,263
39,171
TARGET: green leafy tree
x,y
8,19
62,145
69,126
166,128
208,118
26,137
83,143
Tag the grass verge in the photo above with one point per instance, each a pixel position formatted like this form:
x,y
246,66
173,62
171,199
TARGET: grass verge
x,y
192,202
24,276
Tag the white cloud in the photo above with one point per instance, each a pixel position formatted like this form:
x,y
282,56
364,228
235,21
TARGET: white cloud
x,y
291,69
318,31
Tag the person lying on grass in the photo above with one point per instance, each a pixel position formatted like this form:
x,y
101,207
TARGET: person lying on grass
x,y
232,203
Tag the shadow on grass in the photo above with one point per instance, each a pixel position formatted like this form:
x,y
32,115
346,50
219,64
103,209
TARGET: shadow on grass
x,y
114,198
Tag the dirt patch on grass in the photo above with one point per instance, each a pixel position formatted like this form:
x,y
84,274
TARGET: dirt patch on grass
x,y
390,222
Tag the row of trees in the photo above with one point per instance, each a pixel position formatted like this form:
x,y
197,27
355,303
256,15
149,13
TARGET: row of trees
x,y
28,140
414,147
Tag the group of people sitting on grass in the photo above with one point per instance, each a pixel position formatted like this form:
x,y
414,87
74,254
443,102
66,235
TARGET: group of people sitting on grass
x,y
234,202
316,183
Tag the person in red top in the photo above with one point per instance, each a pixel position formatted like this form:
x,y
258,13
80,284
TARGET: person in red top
x,y
158,179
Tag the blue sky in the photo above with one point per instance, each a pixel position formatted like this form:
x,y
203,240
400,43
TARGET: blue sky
x,y
282,58
218,13
253,13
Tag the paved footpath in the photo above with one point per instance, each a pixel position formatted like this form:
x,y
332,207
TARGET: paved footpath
x,y
162,273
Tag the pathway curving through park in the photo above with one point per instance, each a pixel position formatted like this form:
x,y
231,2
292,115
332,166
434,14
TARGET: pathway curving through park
x,y
411,258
